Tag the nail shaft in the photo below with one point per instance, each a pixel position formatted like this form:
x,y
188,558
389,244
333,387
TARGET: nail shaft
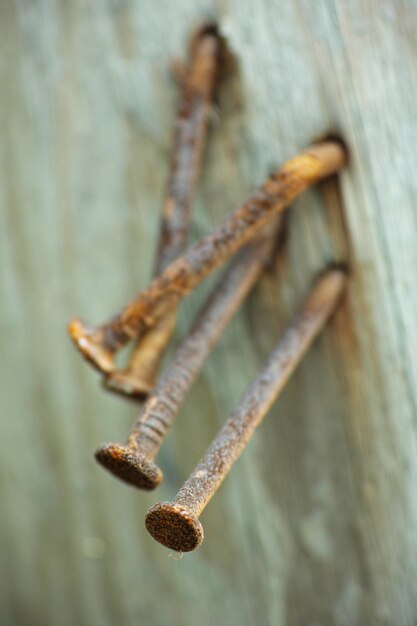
x,y
180,277
198,87
133,462
176,524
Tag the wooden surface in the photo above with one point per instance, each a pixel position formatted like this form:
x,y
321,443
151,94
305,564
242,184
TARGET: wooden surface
x,y
317,523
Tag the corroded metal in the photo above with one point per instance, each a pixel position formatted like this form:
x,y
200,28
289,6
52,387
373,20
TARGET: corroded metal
x,y
198,85
98,344
133,461
176,524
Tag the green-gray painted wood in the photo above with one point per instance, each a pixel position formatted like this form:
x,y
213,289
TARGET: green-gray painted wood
x,y
317,523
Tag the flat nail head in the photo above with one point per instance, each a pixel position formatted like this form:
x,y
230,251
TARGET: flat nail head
x,y
130,467
84,339
128,384
174,526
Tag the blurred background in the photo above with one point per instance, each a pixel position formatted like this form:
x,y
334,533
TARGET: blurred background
x,y
317,522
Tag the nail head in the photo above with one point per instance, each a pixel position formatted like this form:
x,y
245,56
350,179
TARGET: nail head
x,y
128,384
84,340
129,466
174,526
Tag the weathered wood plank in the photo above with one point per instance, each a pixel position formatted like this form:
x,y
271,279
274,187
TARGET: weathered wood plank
x,y
318,521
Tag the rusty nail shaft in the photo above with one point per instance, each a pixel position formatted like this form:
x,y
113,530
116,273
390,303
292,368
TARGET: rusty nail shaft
x,y
198,89
133,462
176,524
99,344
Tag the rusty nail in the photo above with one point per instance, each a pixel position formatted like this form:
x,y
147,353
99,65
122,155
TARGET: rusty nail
x,y
133,461
139,377
98,344
176,524
207,51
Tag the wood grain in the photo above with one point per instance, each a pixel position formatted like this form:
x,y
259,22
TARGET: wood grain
x,y
86,108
